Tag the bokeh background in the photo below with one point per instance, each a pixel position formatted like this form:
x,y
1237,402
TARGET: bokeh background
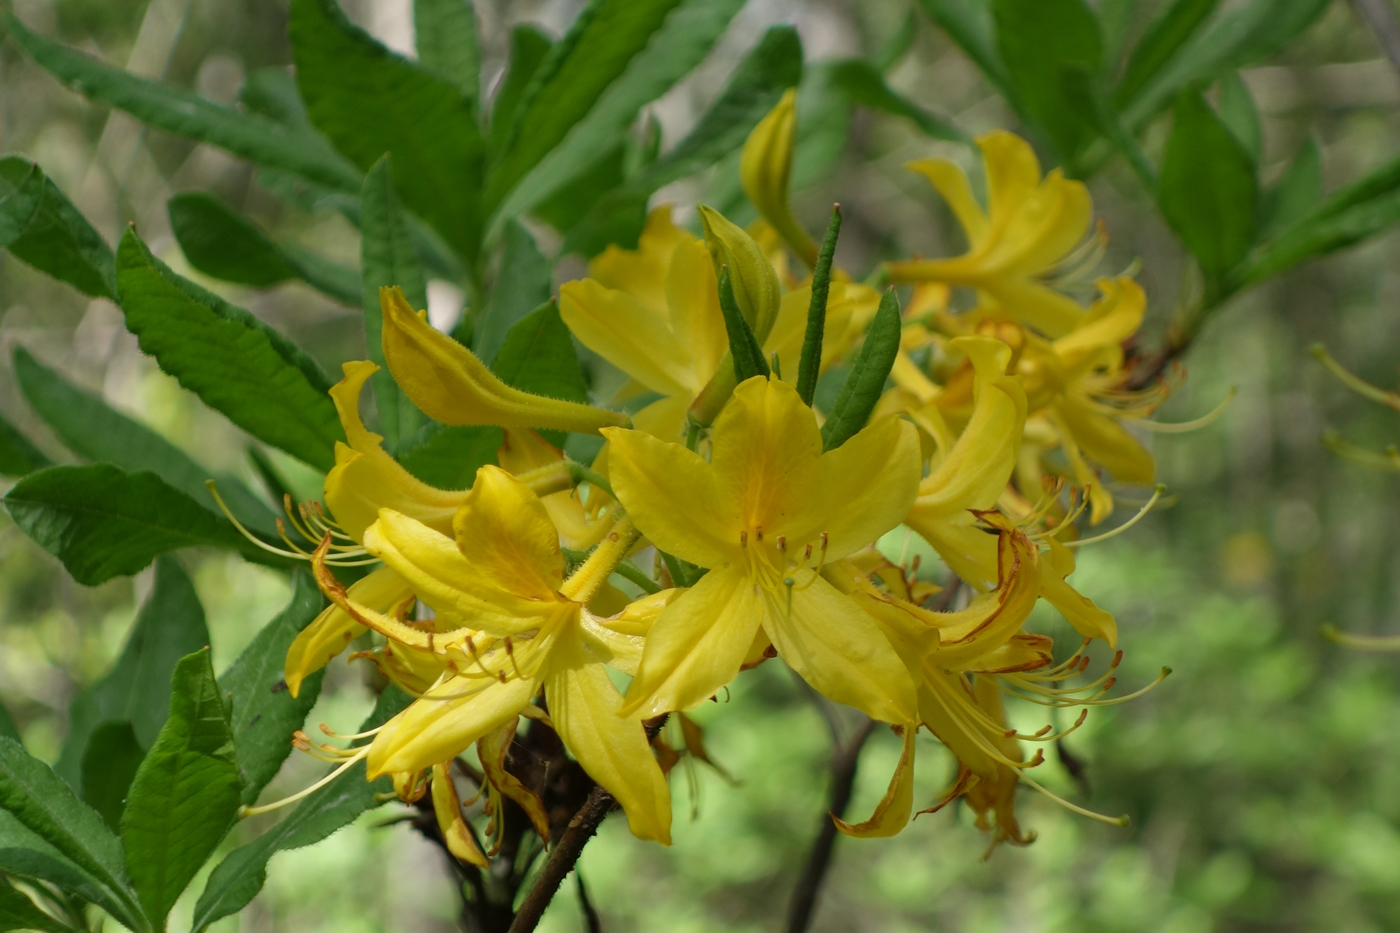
x,y
1260,777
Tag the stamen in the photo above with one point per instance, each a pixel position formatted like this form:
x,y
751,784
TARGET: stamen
x,y
782,543
1363,642
1182,427
245,811
1156,494
743,539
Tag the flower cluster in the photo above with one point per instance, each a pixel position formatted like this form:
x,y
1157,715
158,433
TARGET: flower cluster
x,y
732,518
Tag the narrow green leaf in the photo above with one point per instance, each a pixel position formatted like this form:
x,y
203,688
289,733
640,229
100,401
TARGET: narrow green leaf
x,y
93,430
272,93
109,765
968,23
369,101
41,802
824,113
18,455
387,258
235,363
676,48
744,351
810,366
758,83
1238,113
26,855
1315,236
1242,36
264,714
859,80
186,794
1037,39
538,356
58,240
259,140
104,522
894,49
238,878
1162,40
1207,190
866,381
522,285
1084,92
8,729
529,47
445,33
448,456
570,203
21,201
594,53
227,246
18,912
1295,194
169,626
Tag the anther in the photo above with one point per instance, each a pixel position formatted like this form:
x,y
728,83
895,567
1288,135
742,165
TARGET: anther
x,y
743,539
807,553
782,543
758,533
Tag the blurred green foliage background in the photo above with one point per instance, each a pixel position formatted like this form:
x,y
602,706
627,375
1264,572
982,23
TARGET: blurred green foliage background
x,y
1260,777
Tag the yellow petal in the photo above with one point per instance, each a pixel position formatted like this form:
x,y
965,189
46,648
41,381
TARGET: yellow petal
x,y
790,329
455,832
756,287
949,710
625,332
614,647
642,272
663,418
583,705
892,812
503,529
697,324
1032,303
334,628
461,592
440,725
951,182
1086,617
990,621
492,749
641,614
837,648
672,495
1108,443
365,478
764,170
696,645
524,450
1024,652
448,382
1013,172
1115,317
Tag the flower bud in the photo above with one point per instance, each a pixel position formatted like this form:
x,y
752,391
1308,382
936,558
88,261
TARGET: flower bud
x,y
765,170
755,283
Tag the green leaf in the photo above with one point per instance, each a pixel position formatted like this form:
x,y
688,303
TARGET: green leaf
x,y
968,23
1317,235
538,356
58,240
677,47
238,878
264,713
570,203
186,794
595,52
272,93
225,245
1037,40
369,101
823,133
1238,113
866,381
1239,37
169,626
259,140
859,80
529,47
26,855
18,912
522,285
235,363
1207,190
387,257
42,803
1162,40
18,456
93,430
809,367
757,85
21,200
109,765
1295,194
8,729
448,456
104,522
744,351
445,33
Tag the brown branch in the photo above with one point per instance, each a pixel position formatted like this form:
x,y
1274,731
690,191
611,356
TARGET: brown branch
x,y
1380,16
843,778
561,861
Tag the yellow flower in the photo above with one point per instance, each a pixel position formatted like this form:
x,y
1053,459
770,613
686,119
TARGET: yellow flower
x,y
765,169
763,516
507,623
1030,227
448,382
654,313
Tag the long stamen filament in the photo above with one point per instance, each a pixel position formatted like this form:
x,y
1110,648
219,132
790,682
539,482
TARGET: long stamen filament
x,y
1156,494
